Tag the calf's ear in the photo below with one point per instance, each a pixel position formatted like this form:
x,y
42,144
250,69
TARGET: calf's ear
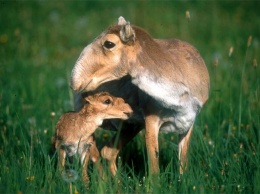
x,y
88,97
87,100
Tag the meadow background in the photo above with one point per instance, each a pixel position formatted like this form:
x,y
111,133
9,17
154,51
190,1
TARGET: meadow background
x,y
39,44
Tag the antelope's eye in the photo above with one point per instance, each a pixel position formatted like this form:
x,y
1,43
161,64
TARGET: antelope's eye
x,y
108,44
108,101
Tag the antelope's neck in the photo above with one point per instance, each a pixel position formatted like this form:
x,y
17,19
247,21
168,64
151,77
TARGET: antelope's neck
x,y
169,92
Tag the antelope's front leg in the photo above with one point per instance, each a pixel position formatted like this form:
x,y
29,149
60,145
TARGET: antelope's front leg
x,y
151,139
110,151
184,142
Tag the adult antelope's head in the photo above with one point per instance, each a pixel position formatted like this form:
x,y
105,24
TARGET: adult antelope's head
x,y
105,58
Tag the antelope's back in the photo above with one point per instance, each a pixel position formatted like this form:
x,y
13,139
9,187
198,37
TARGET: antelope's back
x,y
189,67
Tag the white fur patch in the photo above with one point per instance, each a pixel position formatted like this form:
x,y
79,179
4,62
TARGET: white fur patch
x,y
179,108
168,94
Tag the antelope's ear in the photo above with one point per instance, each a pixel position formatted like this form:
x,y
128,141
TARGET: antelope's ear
x,y
127,33
121,21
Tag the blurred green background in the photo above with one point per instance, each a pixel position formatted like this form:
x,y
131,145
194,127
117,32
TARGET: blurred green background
x,y
40,42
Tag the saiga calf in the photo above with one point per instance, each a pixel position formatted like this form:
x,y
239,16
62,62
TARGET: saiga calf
x,y
74,130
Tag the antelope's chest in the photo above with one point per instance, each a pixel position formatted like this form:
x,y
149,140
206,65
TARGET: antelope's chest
x,y
171,101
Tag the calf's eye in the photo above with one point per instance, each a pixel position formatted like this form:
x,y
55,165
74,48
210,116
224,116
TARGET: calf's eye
x,y
108,44
108,101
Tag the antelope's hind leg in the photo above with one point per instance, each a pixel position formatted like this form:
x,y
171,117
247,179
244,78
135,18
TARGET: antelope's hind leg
x,y
184,141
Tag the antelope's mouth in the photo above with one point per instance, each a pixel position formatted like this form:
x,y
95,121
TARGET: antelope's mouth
x,y
84,88
95,82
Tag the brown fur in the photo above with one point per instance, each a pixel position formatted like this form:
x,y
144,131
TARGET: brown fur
x,y
166,83
74,130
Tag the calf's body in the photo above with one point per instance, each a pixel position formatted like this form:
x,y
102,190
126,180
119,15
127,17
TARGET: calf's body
x,y
74,130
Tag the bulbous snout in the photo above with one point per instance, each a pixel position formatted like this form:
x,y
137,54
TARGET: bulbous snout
x,y
75,82
82,70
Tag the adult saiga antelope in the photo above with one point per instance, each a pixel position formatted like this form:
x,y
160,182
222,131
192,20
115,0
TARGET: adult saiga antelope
x,y
165,82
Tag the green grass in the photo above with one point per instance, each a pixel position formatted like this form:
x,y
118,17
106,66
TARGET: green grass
x,y
39,44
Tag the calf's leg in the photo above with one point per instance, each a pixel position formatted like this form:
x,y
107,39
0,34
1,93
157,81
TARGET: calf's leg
x,y
85,159
110,151
62,157
95,157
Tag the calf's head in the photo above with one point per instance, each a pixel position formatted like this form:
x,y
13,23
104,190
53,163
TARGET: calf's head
x,y
105,106
106,58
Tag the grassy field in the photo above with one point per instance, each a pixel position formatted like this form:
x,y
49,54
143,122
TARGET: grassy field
x,y
39,44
